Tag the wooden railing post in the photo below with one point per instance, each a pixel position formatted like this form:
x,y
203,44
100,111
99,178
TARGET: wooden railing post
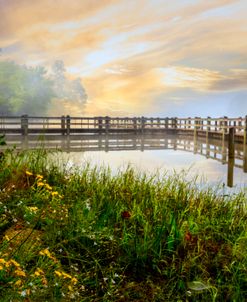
x,y
63,124
231,155
107,124
158,122
189,123
68,124
185,124
117,121
175,120
152,122
195,134
100,124
222,126
239,124
231,146
166,122
208,126
225,124
195,127
142,124
24,124
200,127
135,124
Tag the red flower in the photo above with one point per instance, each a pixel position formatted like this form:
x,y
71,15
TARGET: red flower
x,y
188,236
125,215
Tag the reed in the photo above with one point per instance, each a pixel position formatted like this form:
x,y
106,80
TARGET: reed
x,y
90,235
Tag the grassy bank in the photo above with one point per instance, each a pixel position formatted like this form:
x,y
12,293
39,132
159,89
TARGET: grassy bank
x,y
91,236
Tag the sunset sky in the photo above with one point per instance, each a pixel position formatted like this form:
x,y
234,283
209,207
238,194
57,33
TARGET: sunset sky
x,y
137,57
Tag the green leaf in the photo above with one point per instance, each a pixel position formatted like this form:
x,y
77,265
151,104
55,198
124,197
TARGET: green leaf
x,y
197,286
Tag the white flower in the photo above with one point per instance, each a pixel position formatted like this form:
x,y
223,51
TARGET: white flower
x,y
23,293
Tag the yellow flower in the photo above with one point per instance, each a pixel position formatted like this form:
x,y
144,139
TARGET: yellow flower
x,y
18,283
70,288
20,273
45,252
7,264
16,264
6,237
65,275
38,272
2,261
33,209
48,187
54,193
74,280
59,274
1,267
38,176
29,173
40,184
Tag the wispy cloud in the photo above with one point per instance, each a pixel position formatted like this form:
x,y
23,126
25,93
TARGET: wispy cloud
x,y
204,79
129,52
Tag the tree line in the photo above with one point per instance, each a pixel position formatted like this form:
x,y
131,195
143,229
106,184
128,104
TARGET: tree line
x,y
29,90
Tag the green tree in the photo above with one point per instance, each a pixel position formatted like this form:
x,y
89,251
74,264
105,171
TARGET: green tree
x,y
24,90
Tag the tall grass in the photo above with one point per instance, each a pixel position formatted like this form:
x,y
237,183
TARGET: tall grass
x,y
93,236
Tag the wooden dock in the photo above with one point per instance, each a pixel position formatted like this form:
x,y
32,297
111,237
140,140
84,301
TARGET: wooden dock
x,y
222,139
66,125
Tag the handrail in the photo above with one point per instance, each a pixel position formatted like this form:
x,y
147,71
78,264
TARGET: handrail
x,y
106,123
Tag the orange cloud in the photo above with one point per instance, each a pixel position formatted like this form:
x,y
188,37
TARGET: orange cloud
x,y
128,52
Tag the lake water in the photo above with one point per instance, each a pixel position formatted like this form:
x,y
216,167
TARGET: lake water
x,y
207,159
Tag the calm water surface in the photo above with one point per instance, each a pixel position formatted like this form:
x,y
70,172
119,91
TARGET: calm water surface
x,y
206,159
208,171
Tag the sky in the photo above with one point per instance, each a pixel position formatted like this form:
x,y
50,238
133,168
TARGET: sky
x,y
137,57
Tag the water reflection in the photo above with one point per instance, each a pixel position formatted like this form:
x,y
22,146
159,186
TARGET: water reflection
x,y
212,149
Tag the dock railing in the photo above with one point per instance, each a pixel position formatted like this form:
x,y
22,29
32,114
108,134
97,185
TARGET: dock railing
x,y
67,125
